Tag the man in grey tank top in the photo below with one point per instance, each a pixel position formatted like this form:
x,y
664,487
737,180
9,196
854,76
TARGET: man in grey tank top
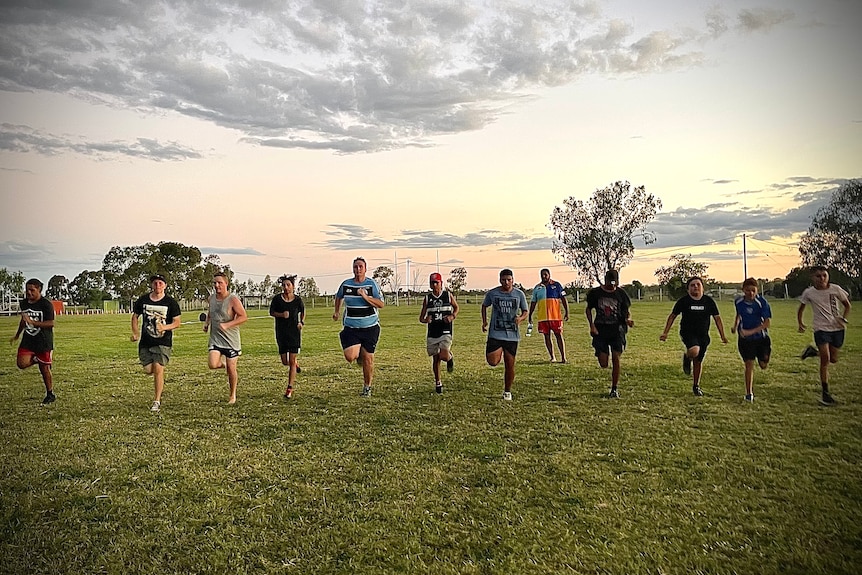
x,y
226,313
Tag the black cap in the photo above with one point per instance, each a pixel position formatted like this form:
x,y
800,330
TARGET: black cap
x,y
612,277
155,277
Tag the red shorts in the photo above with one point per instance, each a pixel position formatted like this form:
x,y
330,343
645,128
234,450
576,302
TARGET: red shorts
x,y
40,357
551,325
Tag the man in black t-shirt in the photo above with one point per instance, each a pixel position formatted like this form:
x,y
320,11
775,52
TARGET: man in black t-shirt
x,y
612,320
37,345
696,309
161,316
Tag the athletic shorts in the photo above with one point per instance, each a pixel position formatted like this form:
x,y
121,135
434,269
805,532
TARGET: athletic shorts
x,y
284,349
434,345
510,347
604,343
833,338
751,349
367,337
551,325
227,351
160,354
43,357
691,340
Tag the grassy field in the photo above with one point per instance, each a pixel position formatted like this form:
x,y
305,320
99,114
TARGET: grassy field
x,y
562,479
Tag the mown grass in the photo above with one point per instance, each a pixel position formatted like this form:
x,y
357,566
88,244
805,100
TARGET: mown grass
x,y
560,480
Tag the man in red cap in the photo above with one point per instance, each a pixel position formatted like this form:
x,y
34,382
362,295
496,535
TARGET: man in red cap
x,y
439,310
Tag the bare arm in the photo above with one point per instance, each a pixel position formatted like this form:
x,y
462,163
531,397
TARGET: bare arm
x,y
720,325
670,319
423,318
799,317
484,317
136,332
455,308
337,313
532,309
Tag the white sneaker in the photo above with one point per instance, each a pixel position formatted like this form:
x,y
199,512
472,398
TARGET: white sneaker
x,y
507,395
157,405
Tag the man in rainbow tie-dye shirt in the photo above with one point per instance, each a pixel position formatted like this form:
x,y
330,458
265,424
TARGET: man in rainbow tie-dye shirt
x,y
549,298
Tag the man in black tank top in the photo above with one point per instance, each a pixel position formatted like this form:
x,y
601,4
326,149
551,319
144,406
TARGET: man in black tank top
x,y
439,310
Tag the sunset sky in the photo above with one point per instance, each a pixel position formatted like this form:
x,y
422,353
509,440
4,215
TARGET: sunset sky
x,y
295,136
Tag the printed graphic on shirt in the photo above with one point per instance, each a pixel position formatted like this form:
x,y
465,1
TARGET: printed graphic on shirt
x,y
34,315
506,309
154,319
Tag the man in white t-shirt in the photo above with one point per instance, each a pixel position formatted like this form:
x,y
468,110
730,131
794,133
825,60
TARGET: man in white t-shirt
x,y
828,323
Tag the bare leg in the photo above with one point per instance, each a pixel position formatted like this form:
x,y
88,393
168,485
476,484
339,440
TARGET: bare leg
x,y
367,366
562,345
549,345
615,372
232,377
749,377
509,361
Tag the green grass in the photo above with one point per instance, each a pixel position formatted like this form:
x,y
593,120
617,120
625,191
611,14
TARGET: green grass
x,y
559,480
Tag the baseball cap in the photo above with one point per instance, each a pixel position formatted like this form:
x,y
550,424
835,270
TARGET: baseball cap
x,y
612,277
155,277
435,277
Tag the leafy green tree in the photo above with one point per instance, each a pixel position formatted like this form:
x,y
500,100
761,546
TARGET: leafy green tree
x,y
383,275
595,236
457,280
127,270
834,238
11,283
307,288
88,288
675,276
58,288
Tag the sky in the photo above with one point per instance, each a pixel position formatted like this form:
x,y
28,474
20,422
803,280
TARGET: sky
x,y
291,137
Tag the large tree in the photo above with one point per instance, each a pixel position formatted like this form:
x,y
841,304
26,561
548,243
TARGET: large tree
x,y
675,276
457,279
57,288
88,288
11,283
127,270
834,238
307,288
595,236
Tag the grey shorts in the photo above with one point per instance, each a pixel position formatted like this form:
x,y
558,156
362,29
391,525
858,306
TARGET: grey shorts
x,y
434,345
160,354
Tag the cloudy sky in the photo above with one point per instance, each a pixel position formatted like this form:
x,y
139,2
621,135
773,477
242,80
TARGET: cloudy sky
x,y
294,136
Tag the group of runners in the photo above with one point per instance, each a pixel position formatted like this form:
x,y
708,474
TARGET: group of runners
x,y
156,315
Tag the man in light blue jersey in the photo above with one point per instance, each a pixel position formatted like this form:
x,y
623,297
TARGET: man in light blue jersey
x,y
361,298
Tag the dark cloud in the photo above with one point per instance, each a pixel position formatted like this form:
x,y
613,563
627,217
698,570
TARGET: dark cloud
x,y
23,139
353,76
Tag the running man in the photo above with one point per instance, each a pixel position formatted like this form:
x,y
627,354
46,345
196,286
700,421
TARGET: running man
x,y
696,308
753,316
829,323
439,310
226,313
361,298
508,310
612,307
161,316
289,312
37,344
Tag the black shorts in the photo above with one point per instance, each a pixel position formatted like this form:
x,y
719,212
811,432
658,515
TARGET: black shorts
x,y
367,337
609,340
510,347
751,349
833,338
228,352
690,340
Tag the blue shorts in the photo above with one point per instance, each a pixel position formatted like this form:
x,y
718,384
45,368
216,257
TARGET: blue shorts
x,y
833,338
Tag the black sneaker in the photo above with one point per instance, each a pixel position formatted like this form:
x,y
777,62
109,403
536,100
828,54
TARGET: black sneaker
x,y
827,400
450,364
809,351
438,388
49,398
298,369
366,391
614,394
697,391
686,364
